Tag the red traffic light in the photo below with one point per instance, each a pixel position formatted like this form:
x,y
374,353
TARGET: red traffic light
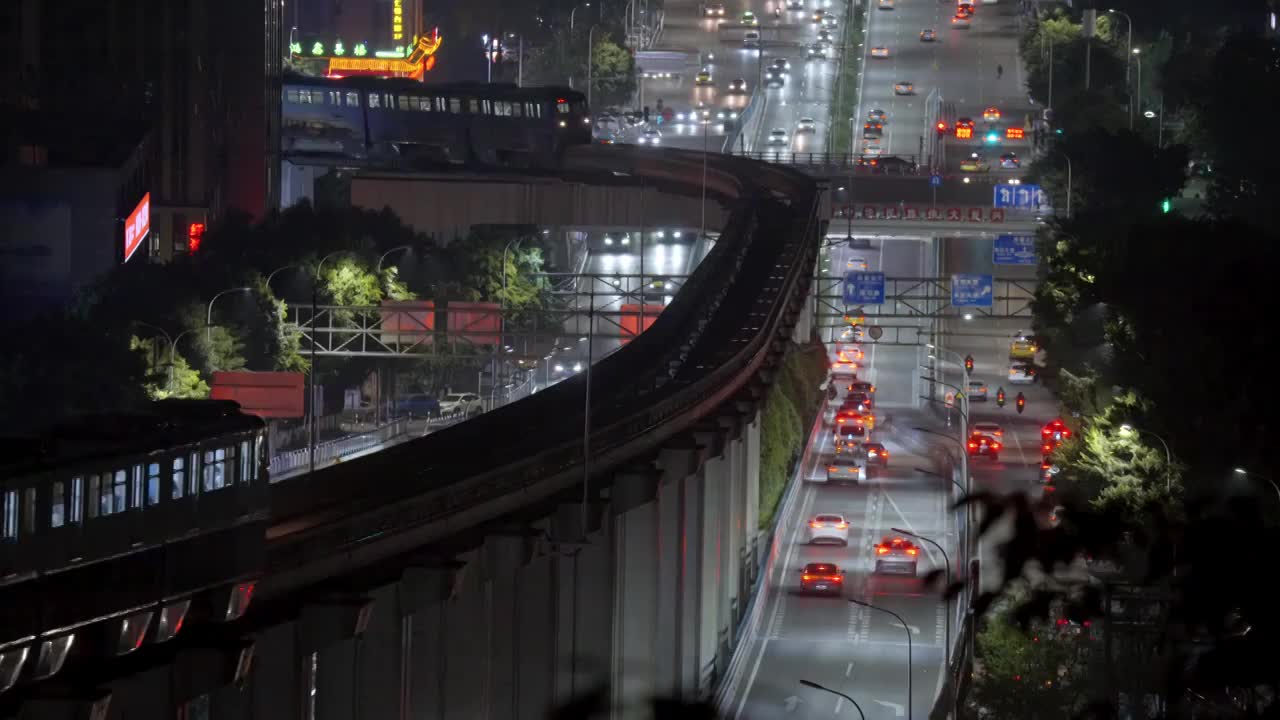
x,y
968,362
942,128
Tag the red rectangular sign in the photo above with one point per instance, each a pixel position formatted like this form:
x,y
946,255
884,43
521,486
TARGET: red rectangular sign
x,y
136,227
997,215
265,394
1013,133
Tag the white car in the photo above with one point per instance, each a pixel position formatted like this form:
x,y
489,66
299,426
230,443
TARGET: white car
x,y
806,125
977,390
1021,373
751,38
844,468
886,4
856,263
650,136
990,429
833,529
713,10
738,86
778,138
461,404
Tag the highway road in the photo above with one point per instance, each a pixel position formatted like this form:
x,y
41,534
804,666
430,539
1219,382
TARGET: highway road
x,y
806,93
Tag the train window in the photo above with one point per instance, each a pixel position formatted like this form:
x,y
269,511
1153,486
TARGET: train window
x,y
193,473
29,510
115,496
441,105
562,107
215,469
77,499
405,102
57,505
455,106
473,106
9,524
291,96
375,101
502,108
258,454
424,104
94,491
153,484
353,98
487,106
335,98
135,494
178,479
517,109
246,462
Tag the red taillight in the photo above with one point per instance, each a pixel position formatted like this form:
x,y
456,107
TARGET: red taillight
x,y
815,524
912,551
881,550
973,446
806,578
995,446
835,578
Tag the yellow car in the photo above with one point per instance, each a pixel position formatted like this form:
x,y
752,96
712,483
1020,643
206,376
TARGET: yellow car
x,y
1023,348
703,78
749,18
855,320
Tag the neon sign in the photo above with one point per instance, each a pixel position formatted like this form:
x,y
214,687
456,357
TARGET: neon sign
x,y
397,20
136,227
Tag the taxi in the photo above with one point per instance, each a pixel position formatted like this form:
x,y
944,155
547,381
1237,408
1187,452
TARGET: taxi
x,y
819,14
991,114
703,78
879,52
1022,348
974,164
856,263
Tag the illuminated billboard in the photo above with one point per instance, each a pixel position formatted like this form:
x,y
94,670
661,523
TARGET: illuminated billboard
x,y
136,227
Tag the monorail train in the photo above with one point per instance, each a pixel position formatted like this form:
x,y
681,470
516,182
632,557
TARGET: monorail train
x,y
406,123
115,530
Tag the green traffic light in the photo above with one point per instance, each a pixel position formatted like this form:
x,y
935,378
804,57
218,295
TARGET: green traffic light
x,y
1058,131
1166,205
993,138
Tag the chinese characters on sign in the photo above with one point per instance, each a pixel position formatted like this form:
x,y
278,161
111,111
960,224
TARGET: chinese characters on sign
x,y
397,20
971,290
864,288
136,227
1014,250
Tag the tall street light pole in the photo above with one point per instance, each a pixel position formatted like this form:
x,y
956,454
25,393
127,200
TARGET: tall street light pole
x,y
946,652
1246,473
271,275
1137,106
906,628
208,322
837,693
590,51
378,267
1128,50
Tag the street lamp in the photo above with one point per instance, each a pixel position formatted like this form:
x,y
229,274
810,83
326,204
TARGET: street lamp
x,y
907,629
590,48
173,344
854,703
208,322
1128,45
1136,53
282,268
378,267
571,12
946,652
1246,473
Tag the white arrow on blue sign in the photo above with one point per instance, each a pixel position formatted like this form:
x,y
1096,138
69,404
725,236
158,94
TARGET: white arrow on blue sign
x,y
935,180
1018,197
971,290
1014,250
864,288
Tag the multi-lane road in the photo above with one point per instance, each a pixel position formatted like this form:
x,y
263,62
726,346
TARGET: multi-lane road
x,y
853,649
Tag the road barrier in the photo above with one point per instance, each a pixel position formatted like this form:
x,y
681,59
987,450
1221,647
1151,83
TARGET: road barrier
x,y
287,464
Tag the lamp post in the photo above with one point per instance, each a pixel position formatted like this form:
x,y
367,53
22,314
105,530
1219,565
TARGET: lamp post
x,y
590,49
378,267
208,322
907,629
1126,430
837,693
1246,473
311,375
946,652
1136,53
1128,45
574,10
173,344
271,275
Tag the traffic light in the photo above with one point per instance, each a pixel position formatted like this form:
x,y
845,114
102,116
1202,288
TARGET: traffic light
x,y
942,128
968,363
195,235
1166,205
993,137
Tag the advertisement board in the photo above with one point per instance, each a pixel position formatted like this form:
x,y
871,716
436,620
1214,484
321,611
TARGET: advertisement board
x,y
265,394
136,227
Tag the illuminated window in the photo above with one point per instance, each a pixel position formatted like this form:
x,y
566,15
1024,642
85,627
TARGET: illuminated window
x,y
334,97
153,484
57,505
455,106
77,500
178,478
353,98
135,500
9,525
116,496
291,96
404,101
375,101
215,469
562,108
517,110
473,106
94,490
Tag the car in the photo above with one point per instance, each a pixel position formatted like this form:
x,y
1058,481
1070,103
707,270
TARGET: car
x,y
877,115
751,38
795,4
749,18
886,4
829,415
713,10
896,556
862,386
816,52
872,130
879,52
965,123
960,22
1022,348
859,400
609,241
876,454
782,65
851,334
650,136
774,79
1010,161
928,35
829,22
903,87
990,429
1047,471
856,414
964,10
728,116
980,444
991,114
974,164
856,263
828,529
738,85
848,436
977,391
806,125
823,578
778,138
849,353
461,404
825,38
418,405
703,78
819,14
1021,373
844,468
871,148
1055,430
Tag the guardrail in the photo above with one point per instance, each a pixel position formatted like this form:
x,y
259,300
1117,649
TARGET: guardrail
x,y
333,451
839,162
691,361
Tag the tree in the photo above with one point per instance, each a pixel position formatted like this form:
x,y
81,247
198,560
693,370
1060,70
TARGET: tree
x,y
613,73
165,380
1038,672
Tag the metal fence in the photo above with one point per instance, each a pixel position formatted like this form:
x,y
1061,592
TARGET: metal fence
x,y
335,450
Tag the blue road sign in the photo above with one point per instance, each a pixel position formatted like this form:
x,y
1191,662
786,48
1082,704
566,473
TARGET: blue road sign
x,y
971,290
864,288
1014,250
1018,197
935,180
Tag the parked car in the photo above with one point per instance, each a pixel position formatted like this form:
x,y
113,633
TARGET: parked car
x,y
418,405
461,403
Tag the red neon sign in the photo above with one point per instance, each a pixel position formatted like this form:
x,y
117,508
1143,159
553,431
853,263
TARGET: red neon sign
x,y
195,235
136,227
